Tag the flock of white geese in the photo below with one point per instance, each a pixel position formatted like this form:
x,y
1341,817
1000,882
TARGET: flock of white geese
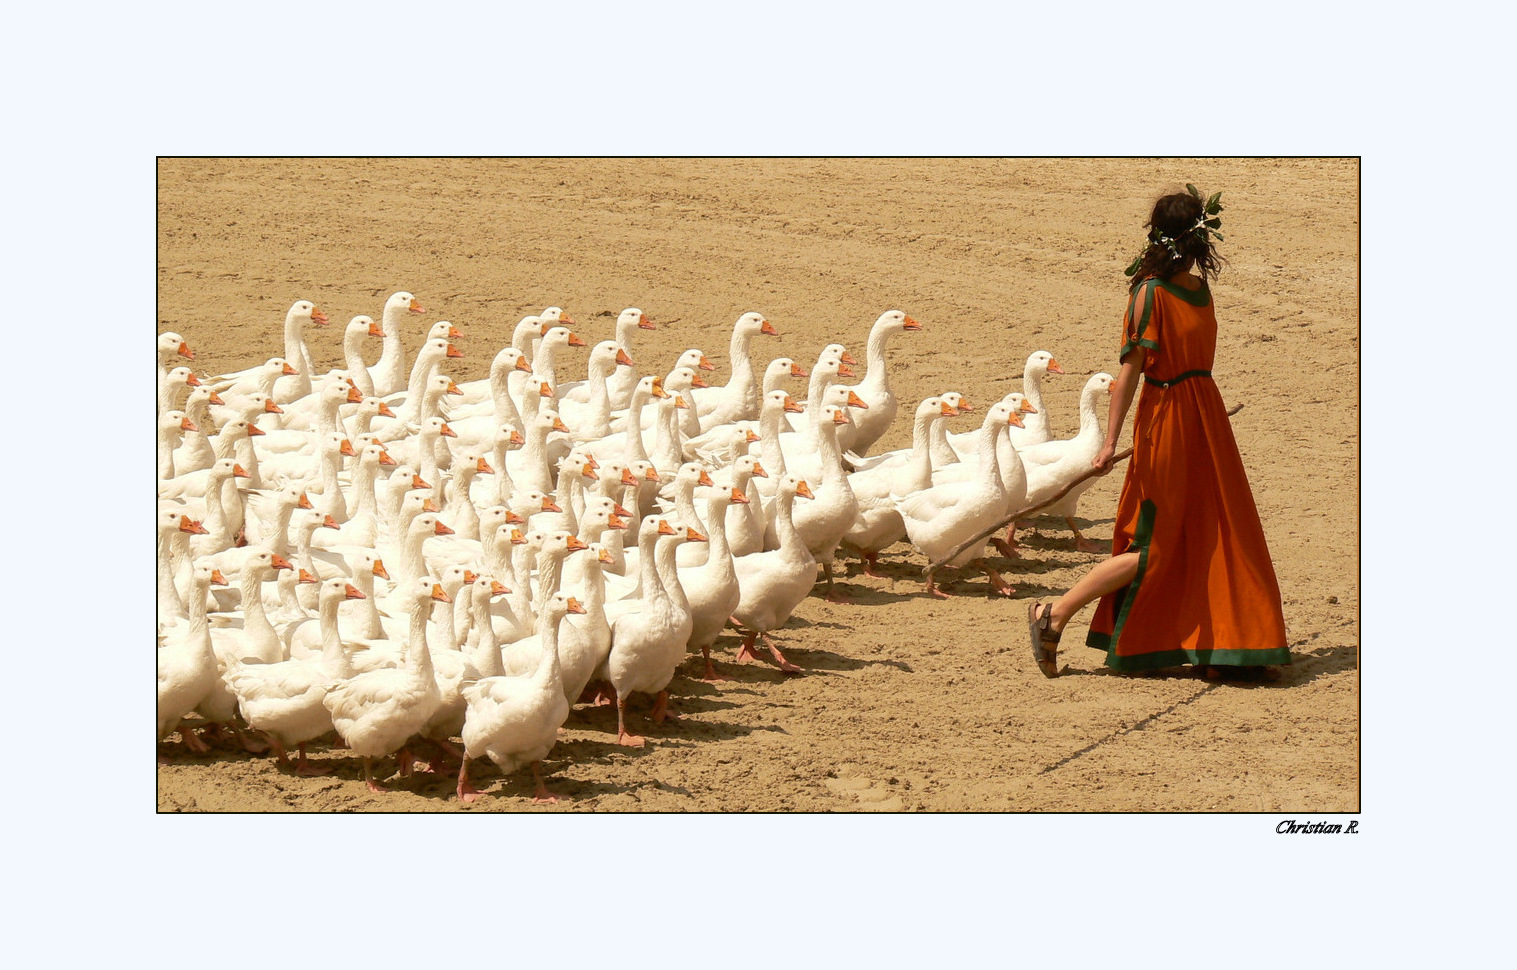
x,y
422,565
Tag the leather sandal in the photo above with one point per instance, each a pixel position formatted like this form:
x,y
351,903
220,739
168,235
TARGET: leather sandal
x,y
1045,642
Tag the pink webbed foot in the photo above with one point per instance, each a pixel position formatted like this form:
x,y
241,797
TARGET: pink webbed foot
x,y
836,595
745,649
871,567
932,590
304,767
1091,545
1006,548
368,778
661,710
779,658
542,795
192,741
467,793
711,676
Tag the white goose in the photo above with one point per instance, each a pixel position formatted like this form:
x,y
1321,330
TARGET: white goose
x,y
738,399
712,587
386,373
1052,465
377,712
775,582
187,667
515,720
874,389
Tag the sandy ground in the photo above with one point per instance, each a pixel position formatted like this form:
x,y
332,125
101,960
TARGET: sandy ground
x,y
908,703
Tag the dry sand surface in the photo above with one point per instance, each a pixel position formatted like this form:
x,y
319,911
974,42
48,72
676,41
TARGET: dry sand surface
x,y
908,703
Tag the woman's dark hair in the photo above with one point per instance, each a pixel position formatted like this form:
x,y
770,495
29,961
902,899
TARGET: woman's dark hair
x,y
1175,217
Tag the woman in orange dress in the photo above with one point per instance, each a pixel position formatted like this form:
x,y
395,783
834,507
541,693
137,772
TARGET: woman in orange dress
x,y
1190,579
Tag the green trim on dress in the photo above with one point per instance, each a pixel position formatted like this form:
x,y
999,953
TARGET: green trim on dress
x,y
1199,297
1148,306
1231,657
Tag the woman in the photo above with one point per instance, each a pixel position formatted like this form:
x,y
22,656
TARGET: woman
x,y
1190,578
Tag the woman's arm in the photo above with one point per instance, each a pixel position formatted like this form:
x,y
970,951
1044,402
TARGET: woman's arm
x,y
1122,391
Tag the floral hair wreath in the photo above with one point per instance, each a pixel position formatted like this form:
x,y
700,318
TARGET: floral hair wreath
x,y
1207,225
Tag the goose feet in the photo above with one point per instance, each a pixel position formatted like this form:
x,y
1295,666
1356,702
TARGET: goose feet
x,y
542,795
192,741
306,769
1081,543
745,649
661,709
466,792
368,778
1005,548
997,584
597,695
250,745
932,590
623,737
870,565
711,676
779,658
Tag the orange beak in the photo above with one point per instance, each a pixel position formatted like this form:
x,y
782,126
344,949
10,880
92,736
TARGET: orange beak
x,y
644,323
796,370
543,330
627,477
306,577
416,307
652,475
605,557
791,406
697,381
664,528
454,351
705,479
576,544
215,398
288,370
758,471
616,521
590,461
304,502
622,359
1015,420
418,482
374,330
239,472
269,407
187,425
558,425
384,458
550,506
318,318
185,351
280,562
379,569
254,431
384,410
841,417
496,588
658,388
441,529
427,505
194,528
329,523
617,509
946,409
768,328
446,431
565,318
1027,407
854,401
749,437
517,538
912,324
848,358
575,340
512,517
192,381
454,333
679,402
347,449
483,467
706,364
964,405
574,606
845,371
804,490
349,591
469,577
1054,368
217,579
692,536
739,497
453,388
437,590
354,397
517,439
590,474
545,390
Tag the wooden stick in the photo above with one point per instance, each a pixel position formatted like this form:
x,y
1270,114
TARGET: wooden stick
x,y
1024,513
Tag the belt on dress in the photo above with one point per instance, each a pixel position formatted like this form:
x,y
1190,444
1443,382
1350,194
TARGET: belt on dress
x,y
1175,380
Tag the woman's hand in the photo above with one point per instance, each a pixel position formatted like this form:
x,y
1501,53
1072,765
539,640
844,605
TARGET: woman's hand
x,y
1104,457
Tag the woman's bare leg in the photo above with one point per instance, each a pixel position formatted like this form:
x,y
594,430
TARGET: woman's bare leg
x,y
1110,575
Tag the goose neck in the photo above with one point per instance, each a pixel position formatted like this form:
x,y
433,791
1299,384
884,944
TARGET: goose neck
x,y
874,357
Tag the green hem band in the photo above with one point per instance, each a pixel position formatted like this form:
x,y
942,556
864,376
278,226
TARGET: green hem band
x,y
1181,657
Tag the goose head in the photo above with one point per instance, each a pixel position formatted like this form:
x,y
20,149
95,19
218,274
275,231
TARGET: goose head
x,y
428,524
509,359
631,317
1003,413
956,401
173,424
895,321
795,485
553,316
304,311
605,356
683,379
262,563
781,369
746,467
693,359
443,330
1041,362
528,328
511,437
754,323
171,345
359,328
337,589
841,396
402,302
559,338
1099,384
1019,403
171,522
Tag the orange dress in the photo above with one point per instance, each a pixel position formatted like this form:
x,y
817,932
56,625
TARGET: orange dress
x,y
1205,591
